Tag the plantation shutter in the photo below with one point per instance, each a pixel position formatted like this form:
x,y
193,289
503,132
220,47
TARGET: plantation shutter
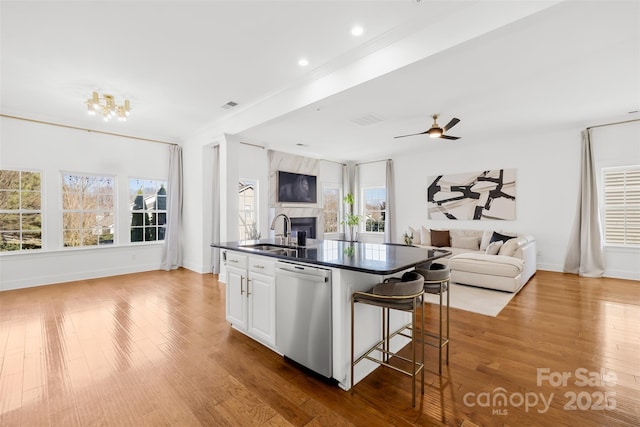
x,y
622,206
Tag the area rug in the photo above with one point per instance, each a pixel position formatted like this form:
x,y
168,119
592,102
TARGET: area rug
x,y
477,300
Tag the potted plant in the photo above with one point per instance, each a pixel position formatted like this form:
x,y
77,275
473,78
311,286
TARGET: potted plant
x,y
408,239
351,220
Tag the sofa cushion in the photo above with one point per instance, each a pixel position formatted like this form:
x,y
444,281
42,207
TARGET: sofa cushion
x,y
498,236
486,239
509,247
465,242
440,238
494,248
425,236
495,265
416,235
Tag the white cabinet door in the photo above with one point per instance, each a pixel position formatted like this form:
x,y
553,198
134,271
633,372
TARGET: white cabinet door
x,y
262,307
251,296
236,297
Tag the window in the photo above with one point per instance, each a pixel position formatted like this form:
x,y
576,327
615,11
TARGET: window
x,y
374,209
331,205
20,210
248,195
87,210
622,205
148,205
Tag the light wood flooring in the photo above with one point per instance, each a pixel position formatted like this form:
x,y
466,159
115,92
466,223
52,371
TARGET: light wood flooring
x,y
154,349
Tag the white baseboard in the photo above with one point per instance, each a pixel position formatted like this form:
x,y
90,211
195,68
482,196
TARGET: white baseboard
x,y
74,276
613,274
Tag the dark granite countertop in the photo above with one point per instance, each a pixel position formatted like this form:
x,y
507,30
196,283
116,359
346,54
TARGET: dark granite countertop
x,y
364,257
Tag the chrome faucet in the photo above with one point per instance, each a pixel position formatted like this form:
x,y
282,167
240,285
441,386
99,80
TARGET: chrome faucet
x,y
287,227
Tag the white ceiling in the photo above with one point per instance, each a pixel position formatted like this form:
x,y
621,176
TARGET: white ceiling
x,y
502,67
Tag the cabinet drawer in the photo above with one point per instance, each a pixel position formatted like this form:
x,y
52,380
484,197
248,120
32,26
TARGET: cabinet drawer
x,y
235,259
262,265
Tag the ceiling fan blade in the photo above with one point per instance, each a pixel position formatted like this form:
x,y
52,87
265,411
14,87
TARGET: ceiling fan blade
x,y
449,137
451,124
413,134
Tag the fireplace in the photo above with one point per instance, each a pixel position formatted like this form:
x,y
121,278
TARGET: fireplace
x,y
307,224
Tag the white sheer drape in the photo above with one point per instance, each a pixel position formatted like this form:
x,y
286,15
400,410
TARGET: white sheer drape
x,y
215,208
172,251
585,254
389,203
350,184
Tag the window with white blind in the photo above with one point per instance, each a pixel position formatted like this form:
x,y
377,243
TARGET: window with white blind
x,y
622,205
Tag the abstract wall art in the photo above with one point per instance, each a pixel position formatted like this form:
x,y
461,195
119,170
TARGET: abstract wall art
x,y
486,195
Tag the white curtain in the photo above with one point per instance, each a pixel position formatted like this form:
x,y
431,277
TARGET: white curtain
x,y
350,184
585,255
215,208
172,252
389,203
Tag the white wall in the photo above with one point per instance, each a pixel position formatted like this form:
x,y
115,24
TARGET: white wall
x,y
52,149
547,172
237,161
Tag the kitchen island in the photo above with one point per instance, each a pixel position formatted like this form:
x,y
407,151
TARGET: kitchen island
x,y
354,267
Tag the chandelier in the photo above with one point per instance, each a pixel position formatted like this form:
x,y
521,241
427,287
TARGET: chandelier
x,y
107,106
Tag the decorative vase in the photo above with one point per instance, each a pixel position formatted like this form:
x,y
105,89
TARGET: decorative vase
x,y
353,234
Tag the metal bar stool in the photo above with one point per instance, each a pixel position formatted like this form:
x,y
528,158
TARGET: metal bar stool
x,y
403,294
436,281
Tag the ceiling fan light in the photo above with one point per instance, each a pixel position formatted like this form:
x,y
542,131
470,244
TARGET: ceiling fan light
x,y
435,132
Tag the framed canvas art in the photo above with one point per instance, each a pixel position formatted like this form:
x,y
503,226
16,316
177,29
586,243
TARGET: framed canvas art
x,y
485,195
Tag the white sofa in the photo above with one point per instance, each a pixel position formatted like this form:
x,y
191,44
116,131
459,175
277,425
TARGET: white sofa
x,y
507,266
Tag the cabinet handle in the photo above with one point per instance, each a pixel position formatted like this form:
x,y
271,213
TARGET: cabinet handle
x,y
259,266
248,293
241,288
232,260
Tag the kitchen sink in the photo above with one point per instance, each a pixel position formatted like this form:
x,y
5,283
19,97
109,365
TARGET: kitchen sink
x,y
276,249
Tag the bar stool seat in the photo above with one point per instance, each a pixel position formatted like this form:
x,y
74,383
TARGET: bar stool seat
x,y
403,294
436,281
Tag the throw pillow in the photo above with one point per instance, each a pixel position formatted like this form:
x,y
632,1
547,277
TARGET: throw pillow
x,y
425,236
499,237
463,242
486,237
440,238
416,235
509,248
494,247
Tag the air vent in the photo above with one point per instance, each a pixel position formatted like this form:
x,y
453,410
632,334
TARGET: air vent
x,y
368,119
229,105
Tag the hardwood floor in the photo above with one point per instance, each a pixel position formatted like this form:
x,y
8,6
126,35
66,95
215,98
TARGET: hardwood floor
x,y
154,349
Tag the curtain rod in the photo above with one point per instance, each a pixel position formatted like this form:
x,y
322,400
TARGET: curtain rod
x,y
614,123
373,161
333,161
88,130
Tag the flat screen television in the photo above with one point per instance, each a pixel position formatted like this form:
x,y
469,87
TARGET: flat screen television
x,y
297,188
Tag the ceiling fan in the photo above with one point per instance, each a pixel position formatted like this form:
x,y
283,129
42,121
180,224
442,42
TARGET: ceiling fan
x,y
435,131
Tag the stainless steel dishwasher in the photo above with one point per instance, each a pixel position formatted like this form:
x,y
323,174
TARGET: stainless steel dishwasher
x,y
303,315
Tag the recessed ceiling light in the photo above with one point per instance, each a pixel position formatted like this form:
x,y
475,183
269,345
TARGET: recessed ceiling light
x,y
303,62
357,30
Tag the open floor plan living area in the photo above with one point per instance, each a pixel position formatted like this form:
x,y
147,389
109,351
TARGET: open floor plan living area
x,y
320,213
